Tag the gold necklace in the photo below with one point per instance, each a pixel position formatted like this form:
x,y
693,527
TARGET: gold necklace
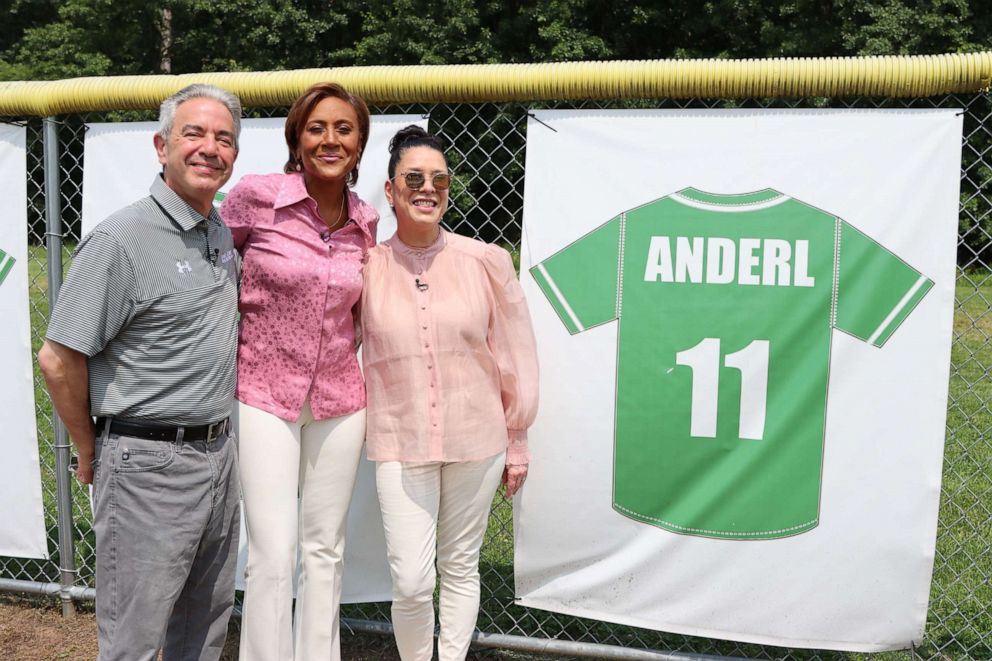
x,y
340,214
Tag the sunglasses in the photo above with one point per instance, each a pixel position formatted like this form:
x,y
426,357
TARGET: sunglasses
x,y
416,180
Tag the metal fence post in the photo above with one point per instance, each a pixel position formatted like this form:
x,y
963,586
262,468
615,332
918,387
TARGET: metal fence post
x,y
53,243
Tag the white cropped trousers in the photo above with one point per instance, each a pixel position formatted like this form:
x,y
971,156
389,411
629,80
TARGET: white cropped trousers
x,y
317,459
435,512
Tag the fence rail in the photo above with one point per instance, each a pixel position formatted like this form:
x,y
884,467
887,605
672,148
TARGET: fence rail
x,y
486,148
892,76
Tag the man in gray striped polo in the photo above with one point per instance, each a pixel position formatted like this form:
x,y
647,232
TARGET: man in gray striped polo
x,y
143,337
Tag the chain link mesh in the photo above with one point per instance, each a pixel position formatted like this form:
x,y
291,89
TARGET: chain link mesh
x,y
486,144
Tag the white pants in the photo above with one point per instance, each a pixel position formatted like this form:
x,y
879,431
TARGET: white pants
x,y
435,511
317,459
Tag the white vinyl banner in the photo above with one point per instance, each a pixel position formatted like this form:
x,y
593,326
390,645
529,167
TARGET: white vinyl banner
x,y
22,533
119,164
744,323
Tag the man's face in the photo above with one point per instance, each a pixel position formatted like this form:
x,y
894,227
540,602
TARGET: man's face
x,y
199,153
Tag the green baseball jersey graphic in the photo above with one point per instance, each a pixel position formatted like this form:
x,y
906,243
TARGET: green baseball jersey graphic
x,y
726,305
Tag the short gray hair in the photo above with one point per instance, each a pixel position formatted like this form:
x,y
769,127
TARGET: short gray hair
x,y
167,111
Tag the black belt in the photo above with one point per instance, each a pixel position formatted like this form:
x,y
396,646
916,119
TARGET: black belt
x,y
153,432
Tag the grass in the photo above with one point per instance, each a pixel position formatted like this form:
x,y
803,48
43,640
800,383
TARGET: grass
x,y
960,622
960,615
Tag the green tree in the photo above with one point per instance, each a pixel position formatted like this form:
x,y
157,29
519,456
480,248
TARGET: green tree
x,y
45,39
21,15
234,35
417,32
88,38
120,37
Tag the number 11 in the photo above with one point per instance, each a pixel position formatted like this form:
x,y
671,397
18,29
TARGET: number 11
x,y
704,361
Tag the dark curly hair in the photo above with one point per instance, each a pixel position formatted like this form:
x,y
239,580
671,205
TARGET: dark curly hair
x,y
408,137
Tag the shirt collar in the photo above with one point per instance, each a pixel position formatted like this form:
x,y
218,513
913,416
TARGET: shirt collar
x,y
294,190
362,214
176,207
428,251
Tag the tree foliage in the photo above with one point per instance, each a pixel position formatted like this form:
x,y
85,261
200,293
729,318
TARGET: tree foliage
x,y
46,39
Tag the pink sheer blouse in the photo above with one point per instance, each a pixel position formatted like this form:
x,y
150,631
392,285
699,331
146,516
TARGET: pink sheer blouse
x,y
449,353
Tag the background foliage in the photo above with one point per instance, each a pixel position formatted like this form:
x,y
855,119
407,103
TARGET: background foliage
x,y
50,39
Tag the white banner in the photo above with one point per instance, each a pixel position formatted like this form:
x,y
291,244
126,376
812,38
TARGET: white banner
x,y
22,534
744,321
120,163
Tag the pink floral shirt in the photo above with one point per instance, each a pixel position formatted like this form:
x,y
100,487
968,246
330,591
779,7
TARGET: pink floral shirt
x,y
449,353
299,286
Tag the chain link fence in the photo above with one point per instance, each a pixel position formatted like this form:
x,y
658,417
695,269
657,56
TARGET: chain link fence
x,y
486,151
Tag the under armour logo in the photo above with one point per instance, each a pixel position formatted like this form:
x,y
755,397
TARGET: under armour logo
x,y
184,267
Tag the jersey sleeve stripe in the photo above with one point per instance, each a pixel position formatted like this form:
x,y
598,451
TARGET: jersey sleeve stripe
x,y
7,264
900,311
547,283
620,248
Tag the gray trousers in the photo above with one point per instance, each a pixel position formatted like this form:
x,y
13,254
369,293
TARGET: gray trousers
x,y
166,518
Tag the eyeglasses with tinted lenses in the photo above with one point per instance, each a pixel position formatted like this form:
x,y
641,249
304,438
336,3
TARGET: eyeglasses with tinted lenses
x,y
416,180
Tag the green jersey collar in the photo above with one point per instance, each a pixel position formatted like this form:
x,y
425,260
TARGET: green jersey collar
x,y
761,199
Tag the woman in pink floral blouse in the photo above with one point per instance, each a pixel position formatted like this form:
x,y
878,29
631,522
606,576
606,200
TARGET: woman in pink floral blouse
x,y
451,369
303,236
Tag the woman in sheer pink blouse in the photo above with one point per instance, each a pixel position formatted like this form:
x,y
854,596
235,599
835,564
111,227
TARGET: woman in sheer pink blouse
x,y
303,236
451,372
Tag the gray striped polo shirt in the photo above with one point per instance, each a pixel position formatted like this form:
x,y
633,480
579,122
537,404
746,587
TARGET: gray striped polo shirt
x,y
156,317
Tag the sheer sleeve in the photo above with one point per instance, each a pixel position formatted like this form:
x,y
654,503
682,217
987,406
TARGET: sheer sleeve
x,y
511,339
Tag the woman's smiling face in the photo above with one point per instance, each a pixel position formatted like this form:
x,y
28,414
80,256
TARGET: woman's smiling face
x,y
331,140
417,209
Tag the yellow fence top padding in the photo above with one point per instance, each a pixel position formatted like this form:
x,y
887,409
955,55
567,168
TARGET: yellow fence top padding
x,y
895,76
